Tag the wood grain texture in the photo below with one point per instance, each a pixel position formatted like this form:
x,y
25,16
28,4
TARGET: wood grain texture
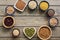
x,y
26,39
23,21
29,13
12,2
8,33
28,19
54,2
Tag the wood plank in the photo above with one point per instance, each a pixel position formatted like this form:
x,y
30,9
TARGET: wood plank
x,y
26,39
30,21
8,33
6,2
29,13
54,2
17,13
56,8
18,39
12,2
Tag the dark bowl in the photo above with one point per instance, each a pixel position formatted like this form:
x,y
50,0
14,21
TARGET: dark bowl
x,y
52,25
30,8
15,29
6,10
48,14
41,9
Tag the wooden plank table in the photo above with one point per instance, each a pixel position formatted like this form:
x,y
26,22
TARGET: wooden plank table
x,y
28,19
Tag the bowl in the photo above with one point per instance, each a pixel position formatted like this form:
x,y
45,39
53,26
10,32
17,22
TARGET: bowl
x,y
44,9
15,32
27,32
55,23
44,35
19,4
9,10
7,20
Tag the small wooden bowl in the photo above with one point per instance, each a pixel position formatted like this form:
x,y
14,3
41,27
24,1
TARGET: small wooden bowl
x,y
42,27
11,25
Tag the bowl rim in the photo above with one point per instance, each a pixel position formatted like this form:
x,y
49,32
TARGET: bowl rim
x,y
56,19
9,13
19,9
29,28
40,28
15,29
46,2
11,25
36,4
52,10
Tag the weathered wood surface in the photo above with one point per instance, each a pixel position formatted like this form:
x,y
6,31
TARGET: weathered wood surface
x,y
26,39
28,19
29,13
7,33
11,2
